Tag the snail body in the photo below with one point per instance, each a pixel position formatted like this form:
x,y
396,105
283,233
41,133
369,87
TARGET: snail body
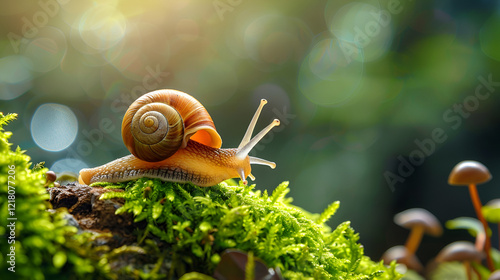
x,y
178,144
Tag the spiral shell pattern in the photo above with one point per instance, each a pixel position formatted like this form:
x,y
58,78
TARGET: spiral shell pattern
x,y
159,123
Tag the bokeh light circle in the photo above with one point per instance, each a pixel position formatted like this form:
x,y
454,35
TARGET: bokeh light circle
x,y
135,57
79,45
366,25
54,127
265,39
68,165
346,20
46,50
15,77
490,41
331,72
102,26
72,11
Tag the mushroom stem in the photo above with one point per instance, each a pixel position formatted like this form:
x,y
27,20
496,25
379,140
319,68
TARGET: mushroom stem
x,y
474,269
468,270
480,240
477,206
414,239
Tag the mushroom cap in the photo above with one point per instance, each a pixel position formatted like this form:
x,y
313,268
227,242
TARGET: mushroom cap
x,y
400,255
50,176
469,172
494,203
419,217
495,275
459,251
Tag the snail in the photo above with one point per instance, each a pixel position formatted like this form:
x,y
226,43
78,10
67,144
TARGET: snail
x,y
172,137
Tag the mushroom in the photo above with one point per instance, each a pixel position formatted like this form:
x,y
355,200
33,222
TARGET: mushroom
x,y
469,173
400,255
473,225
419,221
461,251
495,275
50,177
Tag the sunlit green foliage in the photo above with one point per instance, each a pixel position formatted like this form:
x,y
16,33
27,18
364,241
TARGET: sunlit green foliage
x,y
472,225
491,211
198,224
45,246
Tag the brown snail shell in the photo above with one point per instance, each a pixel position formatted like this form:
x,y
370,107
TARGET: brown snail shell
x,y
159,123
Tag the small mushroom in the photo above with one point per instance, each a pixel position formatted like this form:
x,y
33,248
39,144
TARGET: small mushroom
x,y
419,221
460,251
50,176
400,255
469,173
495,275
473,225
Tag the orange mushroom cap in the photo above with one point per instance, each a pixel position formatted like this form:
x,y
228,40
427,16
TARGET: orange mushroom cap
x,y
419,217
469,172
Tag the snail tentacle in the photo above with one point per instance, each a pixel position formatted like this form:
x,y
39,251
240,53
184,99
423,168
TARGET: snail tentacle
x,y
243,151
256,160
251,126
251,177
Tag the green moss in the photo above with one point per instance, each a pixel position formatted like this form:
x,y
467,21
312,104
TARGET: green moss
x,y
197,224
181,228
44,245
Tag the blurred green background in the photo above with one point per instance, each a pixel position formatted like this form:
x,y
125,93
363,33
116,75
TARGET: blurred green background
x,y
378,100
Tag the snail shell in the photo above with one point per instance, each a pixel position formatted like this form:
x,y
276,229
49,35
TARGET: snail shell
x,y
159,123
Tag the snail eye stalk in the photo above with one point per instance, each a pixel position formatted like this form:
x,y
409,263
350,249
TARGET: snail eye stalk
x,y
245,150
251,126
